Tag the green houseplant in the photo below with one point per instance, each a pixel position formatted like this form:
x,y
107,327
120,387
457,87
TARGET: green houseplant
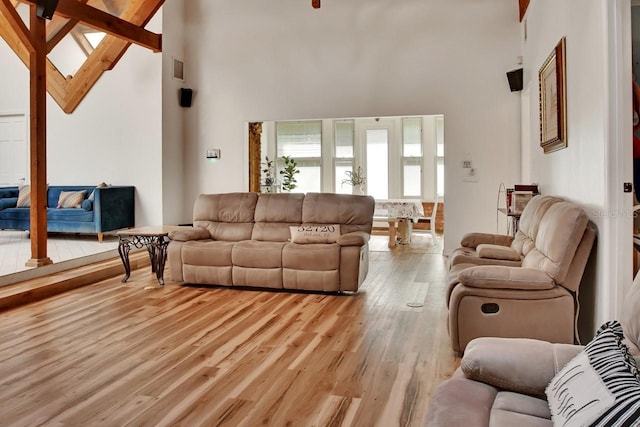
x,y
268,171
289,173
355,179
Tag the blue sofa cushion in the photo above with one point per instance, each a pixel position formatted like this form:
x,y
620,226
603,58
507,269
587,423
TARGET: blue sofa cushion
x,y
87,205
8,202
15,214
69,214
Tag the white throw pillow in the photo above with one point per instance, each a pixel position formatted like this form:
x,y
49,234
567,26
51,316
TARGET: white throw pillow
x,y
324,233
599,387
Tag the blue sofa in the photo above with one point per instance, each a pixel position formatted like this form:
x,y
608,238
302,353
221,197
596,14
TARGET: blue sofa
x,y
112,208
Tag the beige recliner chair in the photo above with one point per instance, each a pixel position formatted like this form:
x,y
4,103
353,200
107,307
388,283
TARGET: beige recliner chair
x,y
538,299
502,381
498,249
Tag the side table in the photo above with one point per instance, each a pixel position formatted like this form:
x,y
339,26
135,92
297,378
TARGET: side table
x,y
154,238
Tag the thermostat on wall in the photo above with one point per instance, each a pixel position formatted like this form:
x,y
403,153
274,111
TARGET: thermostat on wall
x,y
213,153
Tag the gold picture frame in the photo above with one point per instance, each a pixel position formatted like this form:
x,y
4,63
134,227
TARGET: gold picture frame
x,y
553,100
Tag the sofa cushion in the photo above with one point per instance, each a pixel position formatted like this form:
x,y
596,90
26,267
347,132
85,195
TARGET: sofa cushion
x,y
71,199
69,214
207,253
308,233
313,256
275,213
353,213
600,386
250,253
559,234
497,252
227,216
24,196
8,202
20,214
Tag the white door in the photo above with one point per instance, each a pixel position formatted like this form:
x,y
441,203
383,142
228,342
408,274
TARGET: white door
x,y
14,150
376,140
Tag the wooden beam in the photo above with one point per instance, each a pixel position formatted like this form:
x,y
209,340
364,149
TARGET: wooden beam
x,y
8,10
103,21
523,5
38,143
53,38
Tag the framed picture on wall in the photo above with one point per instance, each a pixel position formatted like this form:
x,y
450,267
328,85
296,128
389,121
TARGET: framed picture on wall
x,y
553,103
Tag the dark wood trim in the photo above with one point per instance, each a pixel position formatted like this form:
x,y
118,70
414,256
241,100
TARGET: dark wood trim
x,y
255,132
523,4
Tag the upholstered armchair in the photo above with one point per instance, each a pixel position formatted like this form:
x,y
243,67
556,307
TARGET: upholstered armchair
x,y
538,298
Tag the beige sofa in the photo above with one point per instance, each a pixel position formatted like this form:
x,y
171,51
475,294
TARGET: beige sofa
x,y
531,297
243,239
502,381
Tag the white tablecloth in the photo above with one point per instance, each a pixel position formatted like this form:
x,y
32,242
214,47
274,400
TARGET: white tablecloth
x,y
399,208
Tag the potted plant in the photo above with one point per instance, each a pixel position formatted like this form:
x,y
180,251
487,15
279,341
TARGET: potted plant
x,y
269,171
289,173
356,179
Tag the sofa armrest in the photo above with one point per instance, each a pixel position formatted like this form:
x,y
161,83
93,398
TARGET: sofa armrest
x,y
501,277
356,238
114,208
487,250
197,233
521,365
8,202
472,240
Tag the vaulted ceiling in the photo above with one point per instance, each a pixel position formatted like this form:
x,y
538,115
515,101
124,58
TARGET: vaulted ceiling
x,y
100,30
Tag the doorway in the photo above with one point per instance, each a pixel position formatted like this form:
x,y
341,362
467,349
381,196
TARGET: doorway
x,y
14,149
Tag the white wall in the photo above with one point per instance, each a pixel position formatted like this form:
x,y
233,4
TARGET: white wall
x,y
115,134
589,170
279,60
172,114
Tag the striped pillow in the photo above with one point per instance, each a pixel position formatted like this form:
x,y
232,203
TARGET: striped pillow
x,y
24,196
599,387
71,199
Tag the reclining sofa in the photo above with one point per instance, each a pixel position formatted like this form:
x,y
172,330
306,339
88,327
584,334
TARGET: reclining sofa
x,y
245,239
504,381
525,286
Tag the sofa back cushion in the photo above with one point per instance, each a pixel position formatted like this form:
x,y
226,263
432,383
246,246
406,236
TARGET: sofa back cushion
x,y
275,213
352,212
529,222
560,231
53,192
227,216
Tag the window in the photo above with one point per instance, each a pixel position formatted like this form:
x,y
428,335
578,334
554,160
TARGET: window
x,y
377,171
303,142
440,156
412,157
343,159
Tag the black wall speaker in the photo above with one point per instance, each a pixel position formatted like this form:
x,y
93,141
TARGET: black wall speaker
x,y
46,8
186,95
515,79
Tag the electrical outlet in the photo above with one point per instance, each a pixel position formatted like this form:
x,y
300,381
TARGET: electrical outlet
x,y
466,164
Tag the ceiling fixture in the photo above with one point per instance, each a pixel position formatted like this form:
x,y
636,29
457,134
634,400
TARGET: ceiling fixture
x,y
315,4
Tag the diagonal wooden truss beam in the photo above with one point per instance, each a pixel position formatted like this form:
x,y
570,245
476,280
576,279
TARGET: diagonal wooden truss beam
x,y
68,92
14,22
103,21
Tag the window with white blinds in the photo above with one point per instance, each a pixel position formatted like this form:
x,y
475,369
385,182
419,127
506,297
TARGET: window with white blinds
x,y
412,159
343,159
303,142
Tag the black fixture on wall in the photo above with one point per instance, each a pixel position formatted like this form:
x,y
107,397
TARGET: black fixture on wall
x,y
515,79
186,95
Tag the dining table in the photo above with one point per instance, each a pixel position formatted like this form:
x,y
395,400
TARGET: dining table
x,y
400,214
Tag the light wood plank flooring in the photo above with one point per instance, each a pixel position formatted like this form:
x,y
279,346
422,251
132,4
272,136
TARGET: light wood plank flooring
x,y
114,354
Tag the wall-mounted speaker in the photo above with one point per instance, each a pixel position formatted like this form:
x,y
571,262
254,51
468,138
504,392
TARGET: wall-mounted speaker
x,y
515,79
186,95
46,8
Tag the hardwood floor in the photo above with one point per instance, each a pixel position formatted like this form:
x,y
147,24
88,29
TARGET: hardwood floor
x,y
118,355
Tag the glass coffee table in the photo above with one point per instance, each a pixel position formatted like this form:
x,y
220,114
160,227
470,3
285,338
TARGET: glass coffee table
x,y
155,238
